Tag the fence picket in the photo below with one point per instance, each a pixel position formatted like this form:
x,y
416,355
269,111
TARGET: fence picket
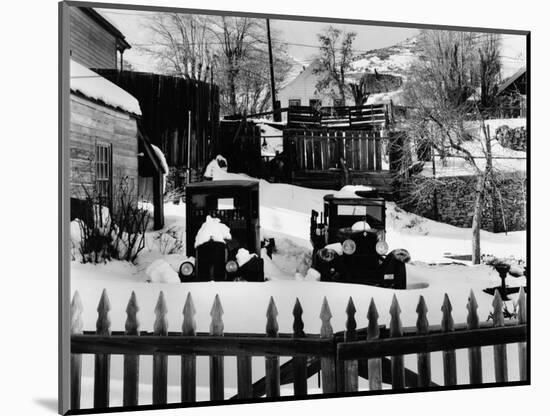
x,y
328,365
449,356
351,367
272,371
160,361
474,353
216,362
522,346
130,392
188,362
102,361
499,351
396,330
76,359
375,364
300,363
423,359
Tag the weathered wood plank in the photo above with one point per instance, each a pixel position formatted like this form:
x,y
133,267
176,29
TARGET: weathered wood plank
x,y
76,359
396,330
216,362
189,362
300,363
102,361
474,353
499,351
130,391
272,371
328,364
449,356
160,361
351,376
373,333
423,359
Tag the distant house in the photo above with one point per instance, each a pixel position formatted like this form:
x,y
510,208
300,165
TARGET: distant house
x,y
302,91
94,41
512,93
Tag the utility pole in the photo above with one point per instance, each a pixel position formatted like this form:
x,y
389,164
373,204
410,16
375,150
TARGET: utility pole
x,y
276,116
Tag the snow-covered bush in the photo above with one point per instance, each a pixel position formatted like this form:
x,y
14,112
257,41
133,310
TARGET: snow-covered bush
x,y
106,234
170,241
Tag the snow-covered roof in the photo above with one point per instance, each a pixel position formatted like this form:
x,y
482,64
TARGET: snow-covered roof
x,y
94,86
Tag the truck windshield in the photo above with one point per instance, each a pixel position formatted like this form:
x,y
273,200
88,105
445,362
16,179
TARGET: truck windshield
x,y
373,214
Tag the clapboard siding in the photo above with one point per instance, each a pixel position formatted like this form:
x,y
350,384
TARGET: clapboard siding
x,y
91,45
92,123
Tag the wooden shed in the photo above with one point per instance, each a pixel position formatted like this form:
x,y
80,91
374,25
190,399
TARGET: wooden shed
x,y
106,146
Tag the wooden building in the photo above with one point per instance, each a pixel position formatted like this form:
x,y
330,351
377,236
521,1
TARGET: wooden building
x,y
180,116
94,41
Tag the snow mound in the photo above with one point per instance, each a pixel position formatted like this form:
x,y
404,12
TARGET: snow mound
x,y
215,167
212,229
243,256
94,86
361,226
312,275
160,271
337,247
349,191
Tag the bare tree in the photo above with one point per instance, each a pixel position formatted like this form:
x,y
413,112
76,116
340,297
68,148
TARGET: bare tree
x,y
336,56
442,91
182,44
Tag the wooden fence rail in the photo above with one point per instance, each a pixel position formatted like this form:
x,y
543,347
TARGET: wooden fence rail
x,y
373,353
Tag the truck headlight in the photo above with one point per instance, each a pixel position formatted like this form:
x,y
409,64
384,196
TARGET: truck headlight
x,y
326,254
231,266
186,269
349,247
381,247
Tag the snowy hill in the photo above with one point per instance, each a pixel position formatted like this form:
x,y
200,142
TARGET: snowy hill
x,y
394,60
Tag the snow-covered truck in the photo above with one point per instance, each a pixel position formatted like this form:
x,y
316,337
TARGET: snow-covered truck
x,y
349,241
223,232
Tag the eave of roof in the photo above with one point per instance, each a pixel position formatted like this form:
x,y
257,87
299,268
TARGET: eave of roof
x,y
510,80
121,39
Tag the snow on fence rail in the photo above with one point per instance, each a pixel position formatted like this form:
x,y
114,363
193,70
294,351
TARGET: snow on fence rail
x,y
340,358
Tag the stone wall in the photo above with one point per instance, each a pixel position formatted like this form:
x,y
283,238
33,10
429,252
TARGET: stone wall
x,y
503,207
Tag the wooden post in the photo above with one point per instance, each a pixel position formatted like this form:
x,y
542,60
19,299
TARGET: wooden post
x,y
160,361
328,364
449,356
499,351
374,364
272,373
102,361
300,363
423,359
188,362
522,346
130,392
76,359
216,362
351,367
474,353
396,330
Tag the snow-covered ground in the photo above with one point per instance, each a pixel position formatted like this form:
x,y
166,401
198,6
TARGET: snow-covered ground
x,y
284,215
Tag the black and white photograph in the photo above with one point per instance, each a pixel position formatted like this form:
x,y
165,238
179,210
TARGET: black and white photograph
x,y
260,207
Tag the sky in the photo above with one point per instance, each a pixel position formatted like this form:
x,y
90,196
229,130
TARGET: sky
x,y
301,39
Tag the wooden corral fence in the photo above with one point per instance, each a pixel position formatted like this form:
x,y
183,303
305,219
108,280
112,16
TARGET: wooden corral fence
x,y
319,158
374,353
240,144
357,117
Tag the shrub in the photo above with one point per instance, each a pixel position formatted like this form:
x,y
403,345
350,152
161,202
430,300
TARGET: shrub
x,y
118,233
513,138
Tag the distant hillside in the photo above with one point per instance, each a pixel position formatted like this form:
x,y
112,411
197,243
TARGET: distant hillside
x,y
395,59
